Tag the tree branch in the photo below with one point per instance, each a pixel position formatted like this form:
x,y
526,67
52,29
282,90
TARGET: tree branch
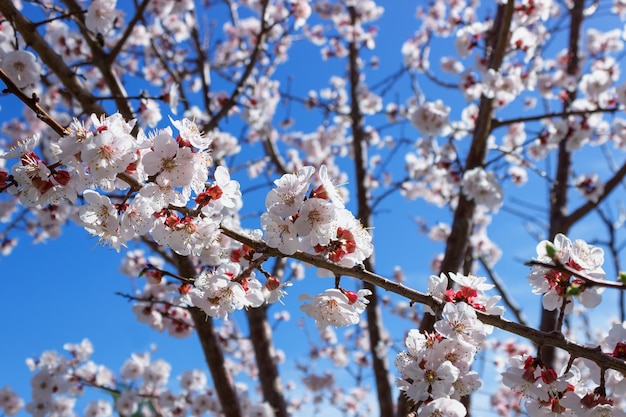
x,y
53,61
539,337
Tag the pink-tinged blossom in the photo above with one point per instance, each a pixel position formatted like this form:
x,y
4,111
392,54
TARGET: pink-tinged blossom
x,y
554,285
98,408
279,233
10,402
285,200
108,154
138,218
522,376
149,113
327,189
134,367
127,403
443,407
334,308
301,11
189,132
21,67
432,378
431,118
172,164
156,375
99,217
63,407
229,193
101,16
589,186
193,380
224,291
482,187
81,351
459,322
316,221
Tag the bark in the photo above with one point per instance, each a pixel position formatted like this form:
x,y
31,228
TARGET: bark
x,y
263,344
558,194
373,313
457,244
269,378
222,380
538,337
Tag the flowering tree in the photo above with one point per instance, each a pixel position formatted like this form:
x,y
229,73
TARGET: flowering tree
x,y
536,91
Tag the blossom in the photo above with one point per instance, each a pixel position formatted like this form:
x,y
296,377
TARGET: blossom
x,y
10,402
224,291
460,323
171,164
334,308
279,233
554,285
127,403
316,220
108,154
99,217
189,132
21,67
589,186
482,187
443,407
193,380
432,378
431,118
99,408
286,199
229,194
101,16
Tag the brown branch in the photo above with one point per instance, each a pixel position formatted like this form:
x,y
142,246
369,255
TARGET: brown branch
x,y
32,103
256,52
112,55
559,221
504,293
589,281
272,151
539,337
359,145
53,61
495,123
584,209
100,61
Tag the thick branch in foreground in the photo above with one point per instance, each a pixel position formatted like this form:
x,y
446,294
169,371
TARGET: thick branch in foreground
x,y
539,337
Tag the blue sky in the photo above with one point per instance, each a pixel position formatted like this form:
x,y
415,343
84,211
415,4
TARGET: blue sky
x,y
64,290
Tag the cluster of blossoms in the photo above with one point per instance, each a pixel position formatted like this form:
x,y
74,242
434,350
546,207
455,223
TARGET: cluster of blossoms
x,y
546,392
436,367
557,285
162,175
142,386
315,221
